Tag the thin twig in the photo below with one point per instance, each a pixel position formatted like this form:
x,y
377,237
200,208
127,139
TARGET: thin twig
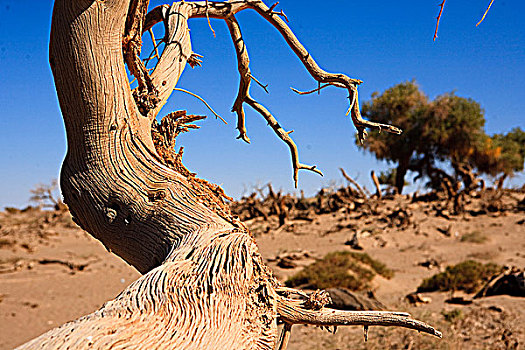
x,y
316,89
154,52
265,87
203,101
283,135
280,13
486,11
152,35
273,6
208,18
195,60
438,18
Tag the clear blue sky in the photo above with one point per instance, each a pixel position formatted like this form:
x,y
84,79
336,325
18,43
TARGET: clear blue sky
x,y
380,42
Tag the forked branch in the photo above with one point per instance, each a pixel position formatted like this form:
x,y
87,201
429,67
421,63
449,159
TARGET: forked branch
x,y
227,10
293,311
243,96
166,73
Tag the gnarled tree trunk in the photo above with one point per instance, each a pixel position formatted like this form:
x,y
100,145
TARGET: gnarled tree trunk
x,y
205,284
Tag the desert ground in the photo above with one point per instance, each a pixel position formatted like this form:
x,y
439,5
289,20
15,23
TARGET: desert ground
x,y
52,272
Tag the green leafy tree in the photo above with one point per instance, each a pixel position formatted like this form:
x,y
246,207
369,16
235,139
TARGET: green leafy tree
x,y
402,105
501,154
453,131
446,131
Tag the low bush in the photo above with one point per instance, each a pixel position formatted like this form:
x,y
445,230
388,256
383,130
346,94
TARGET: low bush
x,y
468,276
474,237
340,269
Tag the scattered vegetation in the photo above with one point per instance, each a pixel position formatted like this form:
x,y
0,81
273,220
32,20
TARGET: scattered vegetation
x,y
474,237
452,315
349,270
468,276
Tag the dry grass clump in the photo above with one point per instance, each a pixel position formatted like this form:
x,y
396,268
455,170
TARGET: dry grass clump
x,y
474,237
340,269
453,315
468,276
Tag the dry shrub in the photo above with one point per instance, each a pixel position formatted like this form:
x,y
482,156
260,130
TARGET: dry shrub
x,y
453,316
468,275
340,269
474,237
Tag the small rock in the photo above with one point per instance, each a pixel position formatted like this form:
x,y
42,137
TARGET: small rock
x,y
416,299
459,301
496,308
354,243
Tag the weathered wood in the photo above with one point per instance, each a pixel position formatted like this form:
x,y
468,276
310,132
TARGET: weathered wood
x,y
376,184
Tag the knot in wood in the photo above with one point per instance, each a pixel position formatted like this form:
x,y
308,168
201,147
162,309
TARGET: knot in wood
x,y
111,214
156,195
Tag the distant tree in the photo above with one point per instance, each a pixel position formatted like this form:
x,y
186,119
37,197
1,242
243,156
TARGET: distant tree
x,y
453,131
48,196
447,133
403,105
501,154
453,128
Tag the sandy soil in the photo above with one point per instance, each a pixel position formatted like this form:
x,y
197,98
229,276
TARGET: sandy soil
x,y
52,272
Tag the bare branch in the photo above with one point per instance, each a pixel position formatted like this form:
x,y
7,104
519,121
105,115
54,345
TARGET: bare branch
x,y
285,336
317,89
293,312
442,5
208,18
245,75
283,135
244,96
225,9
353,182
486,11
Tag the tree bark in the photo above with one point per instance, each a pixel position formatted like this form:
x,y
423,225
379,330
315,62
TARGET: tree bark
x,y
401,171
205,285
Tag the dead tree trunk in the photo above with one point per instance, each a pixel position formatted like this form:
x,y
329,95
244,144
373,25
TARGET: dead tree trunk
x,y
205,284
